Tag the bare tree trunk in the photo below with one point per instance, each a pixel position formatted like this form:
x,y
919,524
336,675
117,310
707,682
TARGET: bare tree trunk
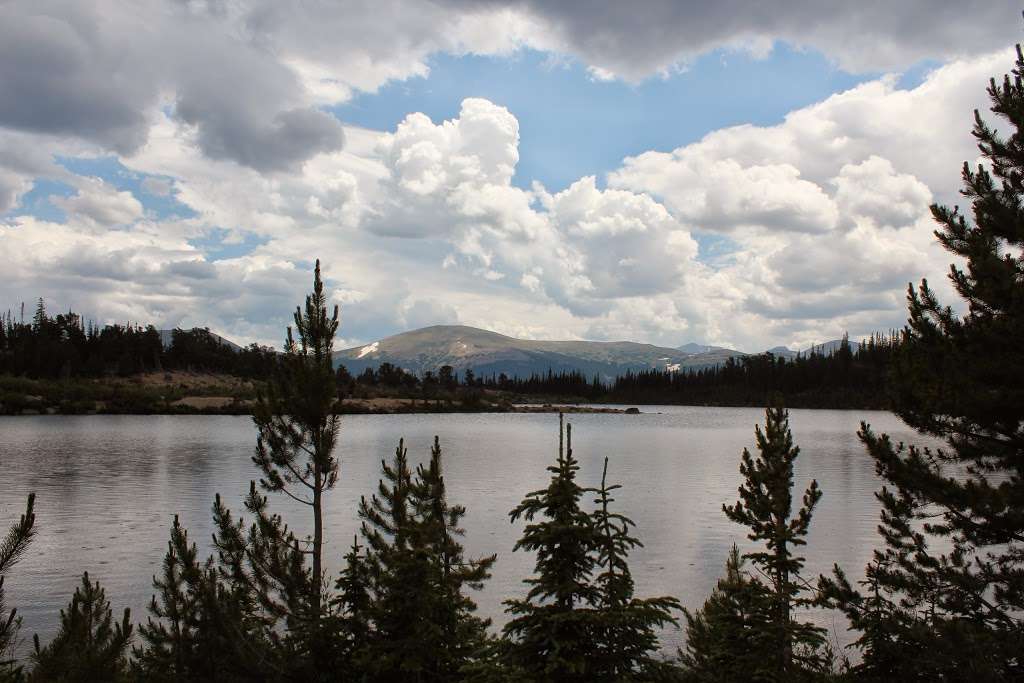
x,y
318,540
785,645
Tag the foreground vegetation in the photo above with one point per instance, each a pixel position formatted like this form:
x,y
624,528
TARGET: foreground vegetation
x,y
942,599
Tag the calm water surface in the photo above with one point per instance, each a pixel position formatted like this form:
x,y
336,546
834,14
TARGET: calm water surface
x,y
108,488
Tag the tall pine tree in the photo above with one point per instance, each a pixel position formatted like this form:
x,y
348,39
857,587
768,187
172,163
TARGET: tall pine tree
x,y
268,567
953,516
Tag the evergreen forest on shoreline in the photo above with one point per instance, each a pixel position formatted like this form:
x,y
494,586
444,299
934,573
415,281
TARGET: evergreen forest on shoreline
x,y
942,598
60,364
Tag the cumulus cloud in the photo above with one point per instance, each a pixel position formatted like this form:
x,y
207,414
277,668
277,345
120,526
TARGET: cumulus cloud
x,y
251,78
583,246
627,41
100,205
99,71
823,217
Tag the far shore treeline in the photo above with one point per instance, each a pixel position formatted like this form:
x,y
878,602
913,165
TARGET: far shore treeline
x,y
70,363
942,598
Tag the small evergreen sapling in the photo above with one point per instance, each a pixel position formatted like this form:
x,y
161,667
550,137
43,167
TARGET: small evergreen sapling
x,y
459,634
90,645
353,602
728,638
626,634
169,635
423,624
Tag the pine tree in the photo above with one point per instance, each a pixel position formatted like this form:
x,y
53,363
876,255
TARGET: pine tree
x,y
459,633
423,623
953,516
551,632
626,636
727,639
169,636
90,645
184,636
398,567
353,602
39,319
765,507
12,548
297,423
297,426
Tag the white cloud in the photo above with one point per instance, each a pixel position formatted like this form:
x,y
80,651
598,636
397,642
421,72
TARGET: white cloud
x,y
825,216
617,39
100,204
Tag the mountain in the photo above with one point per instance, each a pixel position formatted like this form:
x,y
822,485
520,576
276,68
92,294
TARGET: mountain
x,y
829,347
700,348
783,352
166,336
489,353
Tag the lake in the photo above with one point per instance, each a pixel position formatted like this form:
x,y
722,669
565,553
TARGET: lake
x,y
108,488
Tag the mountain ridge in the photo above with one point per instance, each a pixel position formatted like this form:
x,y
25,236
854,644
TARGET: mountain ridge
x,y
487,352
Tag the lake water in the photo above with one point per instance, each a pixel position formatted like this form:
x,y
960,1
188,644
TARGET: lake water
x,y
108,488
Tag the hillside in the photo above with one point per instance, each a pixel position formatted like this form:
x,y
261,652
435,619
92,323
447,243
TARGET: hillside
x,y
488,353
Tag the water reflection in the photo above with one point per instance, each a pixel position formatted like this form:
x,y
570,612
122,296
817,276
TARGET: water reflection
x,y
108,488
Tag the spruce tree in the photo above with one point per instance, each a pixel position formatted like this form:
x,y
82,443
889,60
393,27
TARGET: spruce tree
x,y
551,632
12,548
727,639
765,508
953,516
90,646
353,602
423,622
459,634
169,636
184,637
626,636
399,574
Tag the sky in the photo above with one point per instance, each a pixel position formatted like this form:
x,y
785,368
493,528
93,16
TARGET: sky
x,y
666,171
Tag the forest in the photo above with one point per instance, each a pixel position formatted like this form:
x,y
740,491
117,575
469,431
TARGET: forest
x,y
64,348
942,598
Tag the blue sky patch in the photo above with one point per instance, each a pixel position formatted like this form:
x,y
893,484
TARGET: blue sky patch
x,y
572,126
214,247
116,174
36,202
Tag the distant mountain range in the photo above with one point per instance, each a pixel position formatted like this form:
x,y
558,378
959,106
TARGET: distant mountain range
x,y
487,353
